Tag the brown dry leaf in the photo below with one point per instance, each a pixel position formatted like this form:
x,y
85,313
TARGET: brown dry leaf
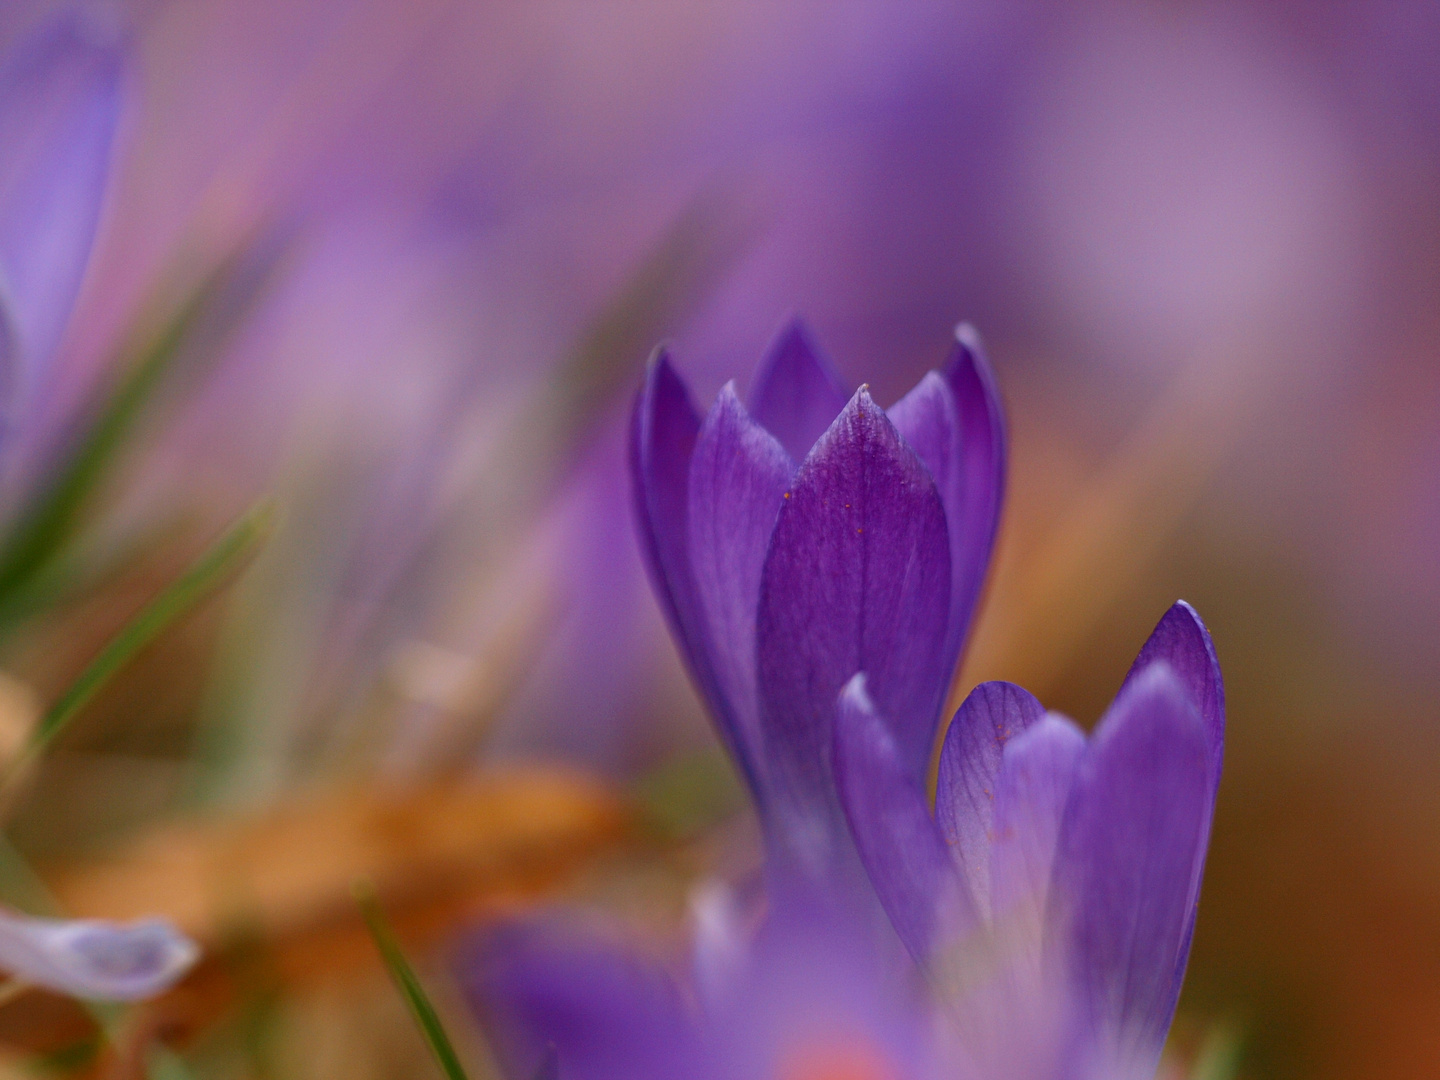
x,y
438,856
19,713
286,869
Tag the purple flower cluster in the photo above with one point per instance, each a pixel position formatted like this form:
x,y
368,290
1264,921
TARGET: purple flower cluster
x,y
1047,900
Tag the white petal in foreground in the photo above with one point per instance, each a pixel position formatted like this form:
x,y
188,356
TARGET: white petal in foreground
x,y
91,958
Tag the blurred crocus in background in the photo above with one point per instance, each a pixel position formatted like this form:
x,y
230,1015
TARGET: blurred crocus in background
x,y
394,268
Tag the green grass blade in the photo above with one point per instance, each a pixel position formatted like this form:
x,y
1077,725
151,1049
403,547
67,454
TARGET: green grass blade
x,y
409,986
203,320
194,585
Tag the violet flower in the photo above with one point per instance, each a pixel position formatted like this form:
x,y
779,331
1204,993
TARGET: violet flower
x,y
808,995
60,99
1051,899
59,106
780,581
1075,862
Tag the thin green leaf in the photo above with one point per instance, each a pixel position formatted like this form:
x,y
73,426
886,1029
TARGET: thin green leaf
x,y
215,307
409,986
198,582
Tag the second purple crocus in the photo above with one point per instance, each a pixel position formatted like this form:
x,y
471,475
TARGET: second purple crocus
x,y
1071,864
812,535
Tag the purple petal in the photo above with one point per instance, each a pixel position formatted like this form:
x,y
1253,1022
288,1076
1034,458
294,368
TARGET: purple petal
x,y
956,426
59,107
1036,771
796,394
824,996
549,1067
856,579
900,845
738,475
1181,641
605,1012
1120,896
970,760
976,504
664,427
89,958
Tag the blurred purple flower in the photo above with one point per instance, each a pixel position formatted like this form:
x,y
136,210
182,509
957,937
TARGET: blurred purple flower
x,y
781,582
60,97
808,996
1077,862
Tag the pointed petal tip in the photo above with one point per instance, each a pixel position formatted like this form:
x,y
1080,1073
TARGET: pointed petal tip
x,y
795,392
854,695
1185,609
858,723
1160,678
1182,641
1003,698
969,338
1180,636
730,398
863,421
663,387
659,361
970,357
796,329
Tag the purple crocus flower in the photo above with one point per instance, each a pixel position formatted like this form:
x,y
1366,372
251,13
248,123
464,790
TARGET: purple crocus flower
x,y
781,581
1050,899
1077,862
